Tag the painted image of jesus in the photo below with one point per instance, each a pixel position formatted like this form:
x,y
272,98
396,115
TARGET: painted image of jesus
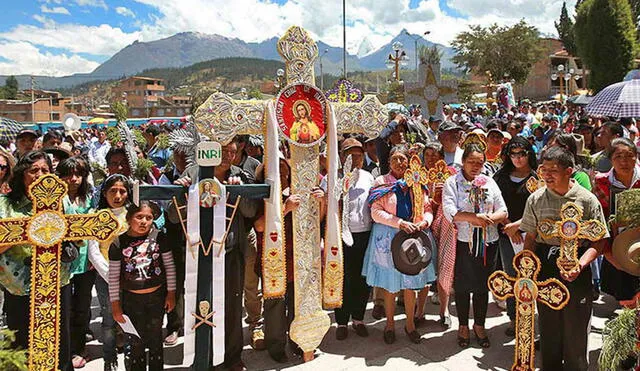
x,y
303,130
208,196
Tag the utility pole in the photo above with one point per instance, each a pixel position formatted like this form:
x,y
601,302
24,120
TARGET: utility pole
x,y
33,112
344,38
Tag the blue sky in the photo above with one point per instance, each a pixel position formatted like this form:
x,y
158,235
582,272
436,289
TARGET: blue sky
x,y
60,37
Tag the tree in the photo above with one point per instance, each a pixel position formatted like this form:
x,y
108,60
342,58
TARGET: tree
x,y
11,87
501,50
429,54
606,39
564,26
120,111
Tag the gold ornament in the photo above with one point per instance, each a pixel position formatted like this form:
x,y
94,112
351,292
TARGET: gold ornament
x,y
527,290
570,229
46,230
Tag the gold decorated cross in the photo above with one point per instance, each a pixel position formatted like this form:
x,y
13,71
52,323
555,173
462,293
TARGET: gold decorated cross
x,y
527,290
416,178
221,118
439,173
46,229
430,90
571,229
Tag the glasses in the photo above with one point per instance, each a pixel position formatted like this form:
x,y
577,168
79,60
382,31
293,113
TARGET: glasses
x,y
521,154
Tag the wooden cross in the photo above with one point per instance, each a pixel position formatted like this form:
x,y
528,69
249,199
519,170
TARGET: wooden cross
x,y
416,178
46,229
571,229
222,118
527,290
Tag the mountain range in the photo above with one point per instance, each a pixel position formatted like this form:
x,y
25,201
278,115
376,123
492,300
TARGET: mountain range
x,y
187,48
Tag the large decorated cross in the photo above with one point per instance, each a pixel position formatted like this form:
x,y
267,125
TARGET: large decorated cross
x,y
527,290
430,92
301,117
571,229
46,229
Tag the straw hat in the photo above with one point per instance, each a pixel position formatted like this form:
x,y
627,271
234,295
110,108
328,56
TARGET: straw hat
x,y
626,251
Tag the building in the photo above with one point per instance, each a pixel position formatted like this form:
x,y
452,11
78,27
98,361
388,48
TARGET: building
x,y
539,85
145,97
46,106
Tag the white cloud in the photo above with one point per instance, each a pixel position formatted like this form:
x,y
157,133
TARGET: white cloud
x,y
126,12
93,3
76,38
258,20
24,58
54,10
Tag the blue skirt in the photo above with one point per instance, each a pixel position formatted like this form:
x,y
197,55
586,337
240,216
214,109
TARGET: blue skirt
x,y
378,265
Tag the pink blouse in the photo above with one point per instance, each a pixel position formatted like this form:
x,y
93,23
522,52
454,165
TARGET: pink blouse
x,y
383,210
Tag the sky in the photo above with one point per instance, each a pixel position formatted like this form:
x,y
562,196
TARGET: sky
x,y
62,37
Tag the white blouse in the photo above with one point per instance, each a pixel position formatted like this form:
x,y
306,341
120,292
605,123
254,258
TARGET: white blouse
x,y
455,199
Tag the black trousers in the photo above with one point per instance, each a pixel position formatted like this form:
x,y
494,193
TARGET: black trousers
x,y
356,291
233,289
175,318
278,315
564,333
146,312
81,286
18,309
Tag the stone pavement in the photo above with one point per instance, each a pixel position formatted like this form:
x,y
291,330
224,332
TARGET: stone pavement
x,y
438,350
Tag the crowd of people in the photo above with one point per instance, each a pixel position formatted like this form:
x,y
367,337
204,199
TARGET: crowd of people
x,y
511,167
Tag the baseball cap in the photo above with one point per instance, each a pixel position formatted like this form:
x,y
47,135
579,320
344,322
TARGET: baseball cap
x,y
351,143
448,126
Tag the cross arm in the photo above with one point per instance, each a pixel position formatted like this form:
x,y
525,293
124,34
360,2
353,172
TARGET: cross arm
x,y
366,117
501,285
100,226
549,228
221,118
553,294
12,231
167,192
592,230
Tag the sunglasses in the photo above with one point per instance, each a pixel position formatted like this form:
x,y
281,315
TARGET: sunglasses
x,y
521,154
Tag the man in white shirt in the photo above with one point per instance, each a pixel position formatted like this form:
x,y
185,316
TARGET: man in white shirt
x,y
98,149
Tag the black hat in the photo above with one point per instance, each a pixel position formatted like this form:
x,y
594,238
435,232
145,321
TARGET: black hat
x,y
447,126
434,119
412,253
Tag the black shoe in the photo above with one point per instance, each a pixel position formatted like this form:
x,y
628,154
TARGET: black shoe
x,y
445,322
511,330
419,321
483,342
414,336
389,336
280,357
361,330
111,366
342,332
378,311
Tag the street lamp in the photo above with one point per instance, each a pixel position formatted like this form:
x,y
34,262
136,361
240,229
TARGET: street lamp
x,y
322,74
400,58
415,46
565,75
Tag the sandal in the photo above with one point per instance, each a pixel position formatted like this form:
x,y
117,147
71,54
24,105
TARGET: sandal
x,y
462,341
483,342
78,361
414,336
